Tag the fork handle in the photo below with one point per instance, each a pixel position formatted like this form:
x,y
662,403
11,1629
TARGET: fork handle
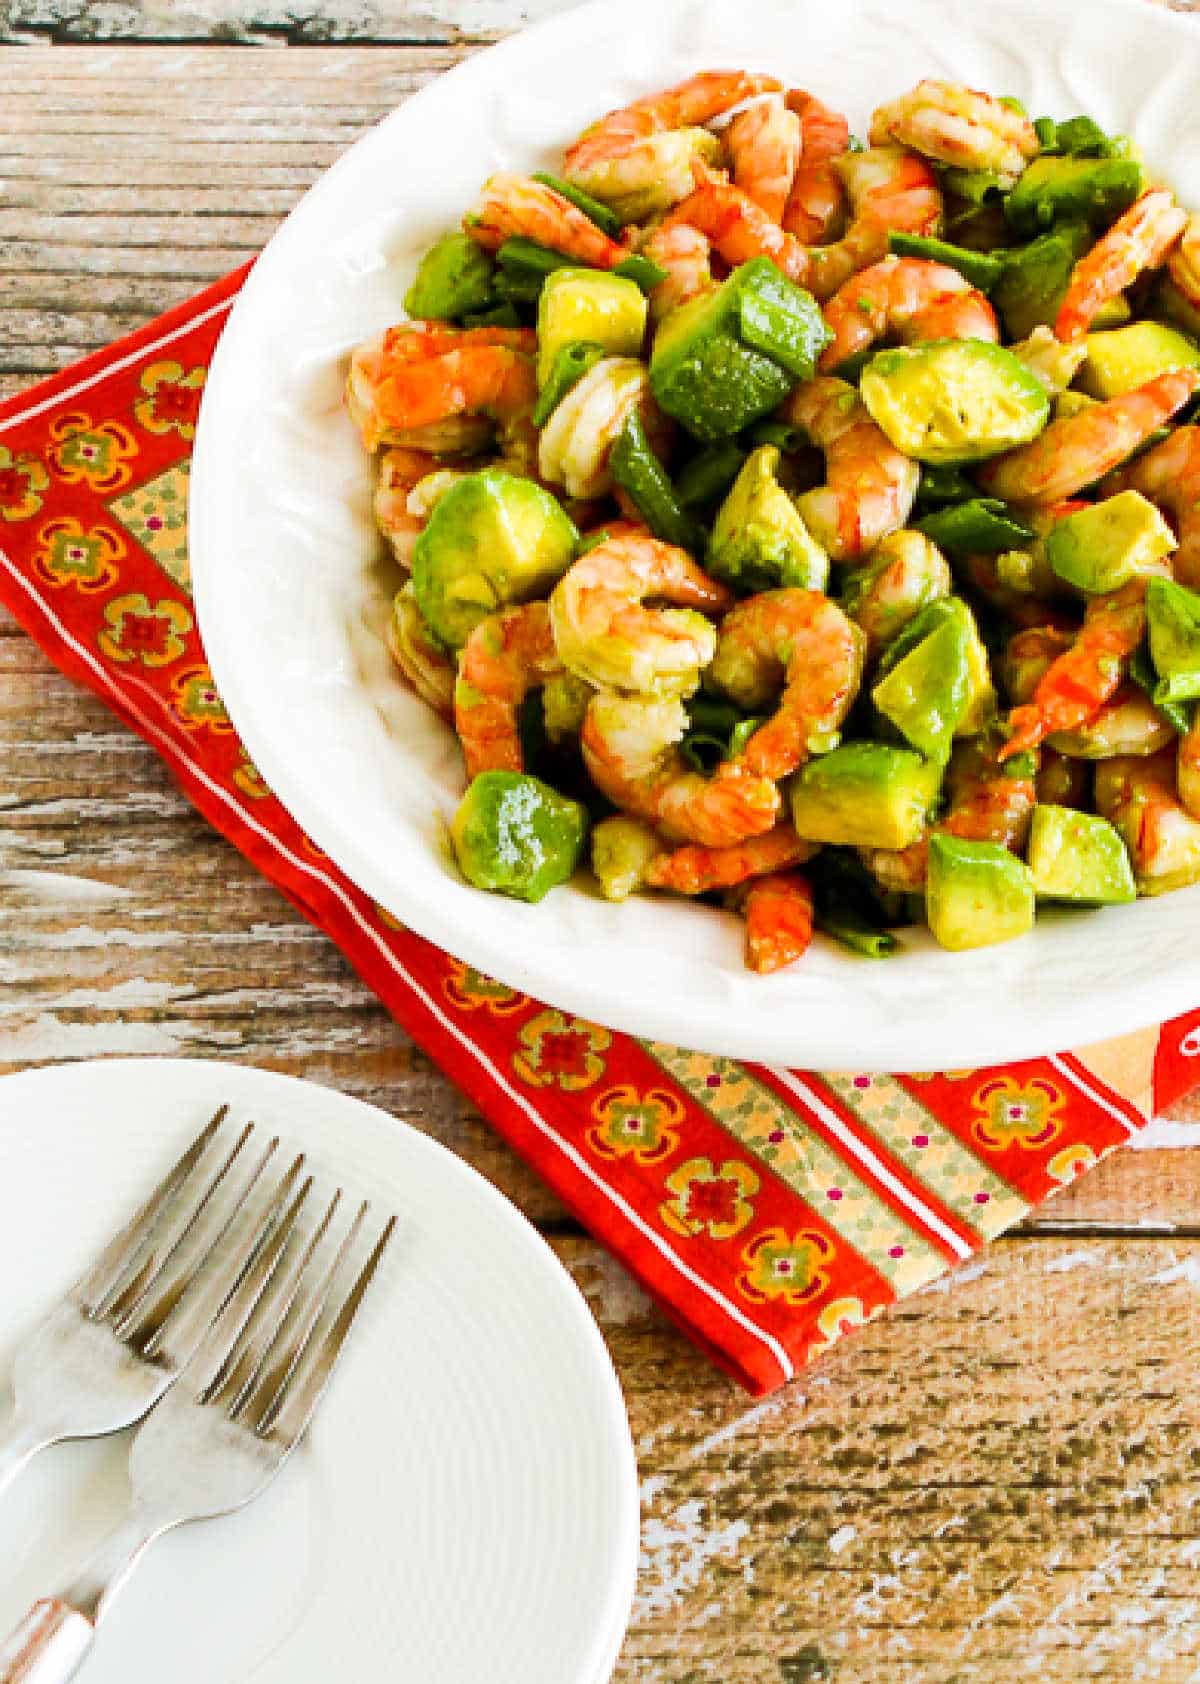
x,y
48,1646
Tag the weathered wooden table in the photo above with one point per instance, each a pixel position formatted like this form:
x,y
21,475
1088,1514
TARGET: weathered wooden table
x,y
998,1481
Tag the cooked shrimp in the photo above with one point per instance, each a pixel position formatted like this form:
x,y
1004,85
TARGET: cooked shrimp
x,y
512,205
576,443
778,910
738,228
956,125
869,486
699,99
1079,449
606,635
686,255
888,190
1169,475
1128,724
1187,768
399,472
1076,685
506,656
1028,656
629,749
907,298
815,203
418,654
802,643
904,573
764,144
441,389
986,802
1138,795
692,870
1140,239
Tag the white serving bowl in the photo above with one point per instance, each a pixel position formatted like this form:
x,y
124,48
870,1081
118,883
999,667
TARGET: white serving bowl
x,y
293,595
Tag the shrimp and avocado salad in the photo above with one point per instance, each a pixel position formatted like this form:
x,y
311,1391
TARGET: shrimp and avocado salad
x,y
807,522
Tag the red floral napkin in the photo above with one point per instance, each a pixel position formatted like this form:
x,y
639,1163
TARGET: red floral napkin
x,y
767,1210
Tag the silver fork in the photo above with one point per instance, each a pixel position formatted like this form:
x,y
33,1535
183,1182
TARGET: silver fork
x,y
220,1436
120,1336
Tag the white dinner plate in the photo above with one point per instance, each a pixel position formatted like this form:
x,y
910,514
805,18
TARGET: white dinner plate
x,y
293,597
465,1505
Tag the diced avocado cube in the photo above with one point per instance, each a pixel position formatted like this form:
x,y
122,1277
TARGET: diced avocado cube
x,y
759,541
622,850
981,695
1126,357
925,695
1071,403
1173,617
593,306
492,539
1102,547
1078,857
779,319
1113,313
1035,277
516,836
453,279
709,368
864,795
1170,302
976,894
1057,189
954,400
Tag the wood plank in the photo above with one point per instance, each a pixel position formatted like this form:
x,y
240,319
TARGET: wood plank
x,y
991,1483
270,22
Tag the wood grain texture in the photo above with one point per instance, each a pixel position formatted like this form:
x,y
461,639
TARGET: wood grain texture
x,y
998,1480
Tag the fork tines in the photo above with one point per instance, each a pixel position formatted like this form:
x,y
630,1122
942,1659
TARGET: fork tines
x,y
223,1269
269,1355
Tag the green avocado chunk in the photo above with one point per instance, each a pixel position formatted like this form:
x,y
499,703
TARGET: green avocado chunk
x,y
492,539
976,894
926,694
759,541
1078,857
981,695
731,355
864,795
1035,277
1091,190
454,278
1173,617
954,400
516,836
591,306
1126,357
1102,547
